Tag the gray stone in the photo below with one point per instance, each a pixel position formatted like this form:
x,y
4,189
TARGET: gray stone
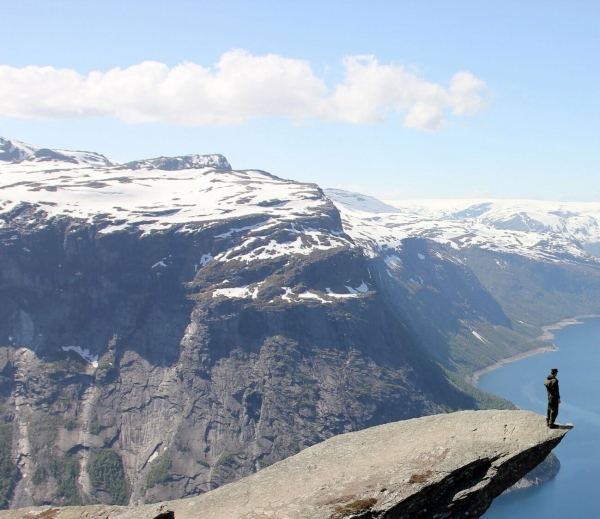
x,y
441,466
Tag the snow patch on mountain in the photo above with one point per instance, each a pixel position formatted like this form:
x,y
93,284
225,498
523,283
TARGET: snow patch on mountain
x,y
479,337
311,295
360,289
252,249
204,260
394,262
84,354
331,293
236,292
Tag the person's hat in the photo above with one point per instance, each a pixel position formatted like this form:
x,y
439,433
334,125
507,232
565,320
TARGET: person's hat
x,y
554,370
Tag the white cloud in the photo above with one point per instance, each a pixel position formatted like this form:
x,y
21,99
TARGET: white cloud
x,y
464,89
425,116
238,88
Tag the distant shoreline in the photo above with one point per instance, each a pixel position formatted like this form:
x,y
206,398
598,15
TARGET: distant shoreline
x,y
546,335
474,378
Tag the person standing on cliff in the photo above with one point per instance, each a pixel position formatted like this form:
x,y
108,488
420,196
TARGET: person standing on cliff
x,y
551,384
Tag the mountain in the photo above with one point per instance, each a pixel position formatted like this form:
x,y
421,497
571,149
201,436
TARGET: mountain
x,y
15,152
539,259
173,324
532,228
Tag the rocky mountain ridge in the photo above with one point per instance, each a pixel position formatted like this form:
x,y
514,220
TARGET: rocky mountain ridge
x,y
16,152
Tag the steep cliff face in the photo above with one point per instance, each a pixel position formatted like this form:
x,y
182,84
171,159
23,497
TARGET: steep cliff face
x,y
155,346
443,466
180,370
442,298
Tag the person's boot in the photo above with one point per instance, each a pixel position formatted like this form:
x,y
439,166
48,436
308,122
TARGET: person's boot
x,y
553,426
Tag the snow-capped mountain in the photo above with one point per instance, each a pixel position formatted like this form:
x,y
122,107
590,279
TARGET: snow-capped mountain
x,y
532,228
217,162
30,157
157,194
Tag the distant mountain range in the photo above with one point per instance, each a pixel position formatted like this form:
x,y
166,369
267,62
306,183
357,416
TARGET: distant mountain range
x,y
533,228
179,324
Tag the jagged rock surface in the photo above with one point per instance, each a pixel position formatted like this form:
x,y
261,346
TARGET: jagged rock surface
x,y
442,466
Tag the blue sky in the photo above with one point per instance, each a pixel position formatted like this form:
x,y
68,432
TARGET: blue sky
x,y
521,120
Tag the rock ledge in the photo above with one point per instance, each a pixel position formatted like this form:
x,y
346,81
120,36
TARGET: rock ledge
x,y
441,466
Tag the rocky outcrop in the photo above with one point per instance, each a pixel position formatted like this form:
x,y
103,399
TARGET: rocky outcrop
x,y
441,466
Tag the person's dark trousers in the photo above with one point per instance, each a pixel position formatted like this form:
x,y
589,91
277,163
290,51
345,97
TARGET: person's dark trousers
x,y
552,410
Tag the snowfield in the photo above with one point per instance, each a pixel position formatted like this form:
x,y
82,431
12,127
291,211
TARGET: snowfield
x,y
193,191
157,194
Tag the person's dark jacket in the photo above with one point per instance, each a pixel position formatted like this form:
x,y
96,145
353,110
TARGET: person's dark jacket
x,y
551,384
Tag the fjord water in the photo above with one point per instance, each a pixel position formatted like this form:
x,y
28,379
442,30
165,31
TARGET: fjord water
x,y
574,491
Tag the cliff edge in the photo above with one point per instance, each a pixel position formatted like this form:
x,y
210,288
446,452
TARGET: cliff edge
x,y
441,466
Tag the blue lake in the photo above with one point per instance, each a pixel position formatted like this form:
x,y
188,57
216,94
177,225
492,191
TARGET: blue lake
x,y
575,492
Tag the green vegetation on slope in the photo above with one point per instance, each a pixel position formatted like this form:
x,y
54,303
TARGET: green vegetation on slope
x,y
94,427
470,352
42,432
535,292
483,400
159,471
65,472
106,472
8,470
